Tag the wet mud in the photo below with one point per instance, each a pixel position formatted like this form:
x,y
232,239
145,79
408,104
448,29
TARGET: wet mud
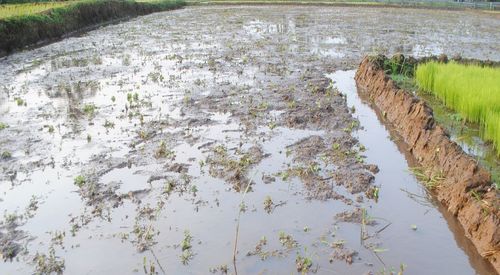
x,y
141,147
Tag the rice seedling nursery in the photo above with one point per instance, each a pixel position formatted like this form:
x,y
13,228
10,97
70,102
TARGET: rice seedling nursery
x,y
471,90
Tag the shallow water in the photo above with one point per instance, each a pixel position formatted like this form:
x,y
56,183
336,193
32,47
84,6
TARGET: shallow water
x,y
212,79
467,135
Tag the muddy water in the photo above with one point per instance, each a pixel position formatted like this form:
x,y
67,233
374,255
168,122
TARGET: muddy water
x,y
181,125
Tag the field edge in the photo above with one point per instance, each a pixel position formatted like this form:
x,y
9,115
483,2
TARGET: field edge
x,y
19,32
463,186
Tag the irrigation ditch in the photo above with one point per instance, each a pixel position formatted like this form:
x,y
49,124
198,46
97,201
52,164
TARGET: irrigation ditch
x,y
463,186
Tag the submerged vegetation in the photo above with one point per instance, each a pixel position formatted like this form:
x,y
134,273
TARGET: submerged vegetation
x,y
471,90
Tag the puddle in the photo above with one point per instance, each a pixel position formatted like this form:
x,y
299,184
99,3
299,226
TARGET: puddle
x,y
138,145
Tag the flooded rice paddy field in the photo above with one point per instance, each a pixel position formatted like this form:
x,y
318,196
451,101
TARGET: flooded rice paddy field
x,y
152,145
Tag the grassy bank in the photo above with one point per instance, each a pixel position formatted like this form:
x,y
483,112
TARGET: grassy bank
x,y
10,10
473,91
33,27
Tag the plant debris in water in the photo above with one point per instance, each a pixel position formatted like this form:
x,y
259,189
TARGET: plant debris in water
x,y
139,140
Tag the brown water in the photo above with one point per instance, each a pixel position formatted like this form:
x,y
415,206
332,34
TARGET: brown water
x,y
226,96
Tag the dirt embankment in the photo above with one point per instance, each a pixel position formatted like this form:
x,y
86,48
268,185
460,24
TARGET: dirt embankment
x,y
22,31
463,186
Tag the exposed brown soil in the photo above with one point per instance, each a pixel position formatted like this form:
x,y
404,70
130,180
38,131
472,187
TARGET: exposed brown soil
x,y
464,187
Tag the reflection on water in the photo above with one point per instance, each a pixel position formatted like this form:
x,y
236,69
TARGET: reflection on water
x,y
140,107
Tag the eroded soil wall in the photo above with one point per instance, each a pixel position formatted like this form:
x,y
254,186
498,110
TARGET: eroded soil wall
x,y
466,188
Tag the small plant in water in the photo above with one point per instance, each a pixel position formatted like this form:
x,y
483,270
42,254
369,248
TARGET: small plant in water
x,y
108,124
89,109
375,193
20,101
6,155
49,264
186,242
392,270
194,189
223,269
11,218
169,186
303,264
80,181
268,204
163,152
187,254
336,146
3,126
287,240
152,268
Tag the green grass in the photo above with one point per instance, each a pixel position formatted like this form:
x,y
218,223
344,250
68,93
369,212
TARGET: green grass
x,y
473,91
36,8
10,10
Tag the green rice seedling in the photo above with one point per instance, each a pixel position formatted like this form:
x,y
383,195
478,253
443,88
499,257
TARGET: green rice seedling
x,y
186,242
80,181
89,109
49,264
6,155
164,152
20,101
108,124
287,240
268,204
50,128
471,90
186,246
303,264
